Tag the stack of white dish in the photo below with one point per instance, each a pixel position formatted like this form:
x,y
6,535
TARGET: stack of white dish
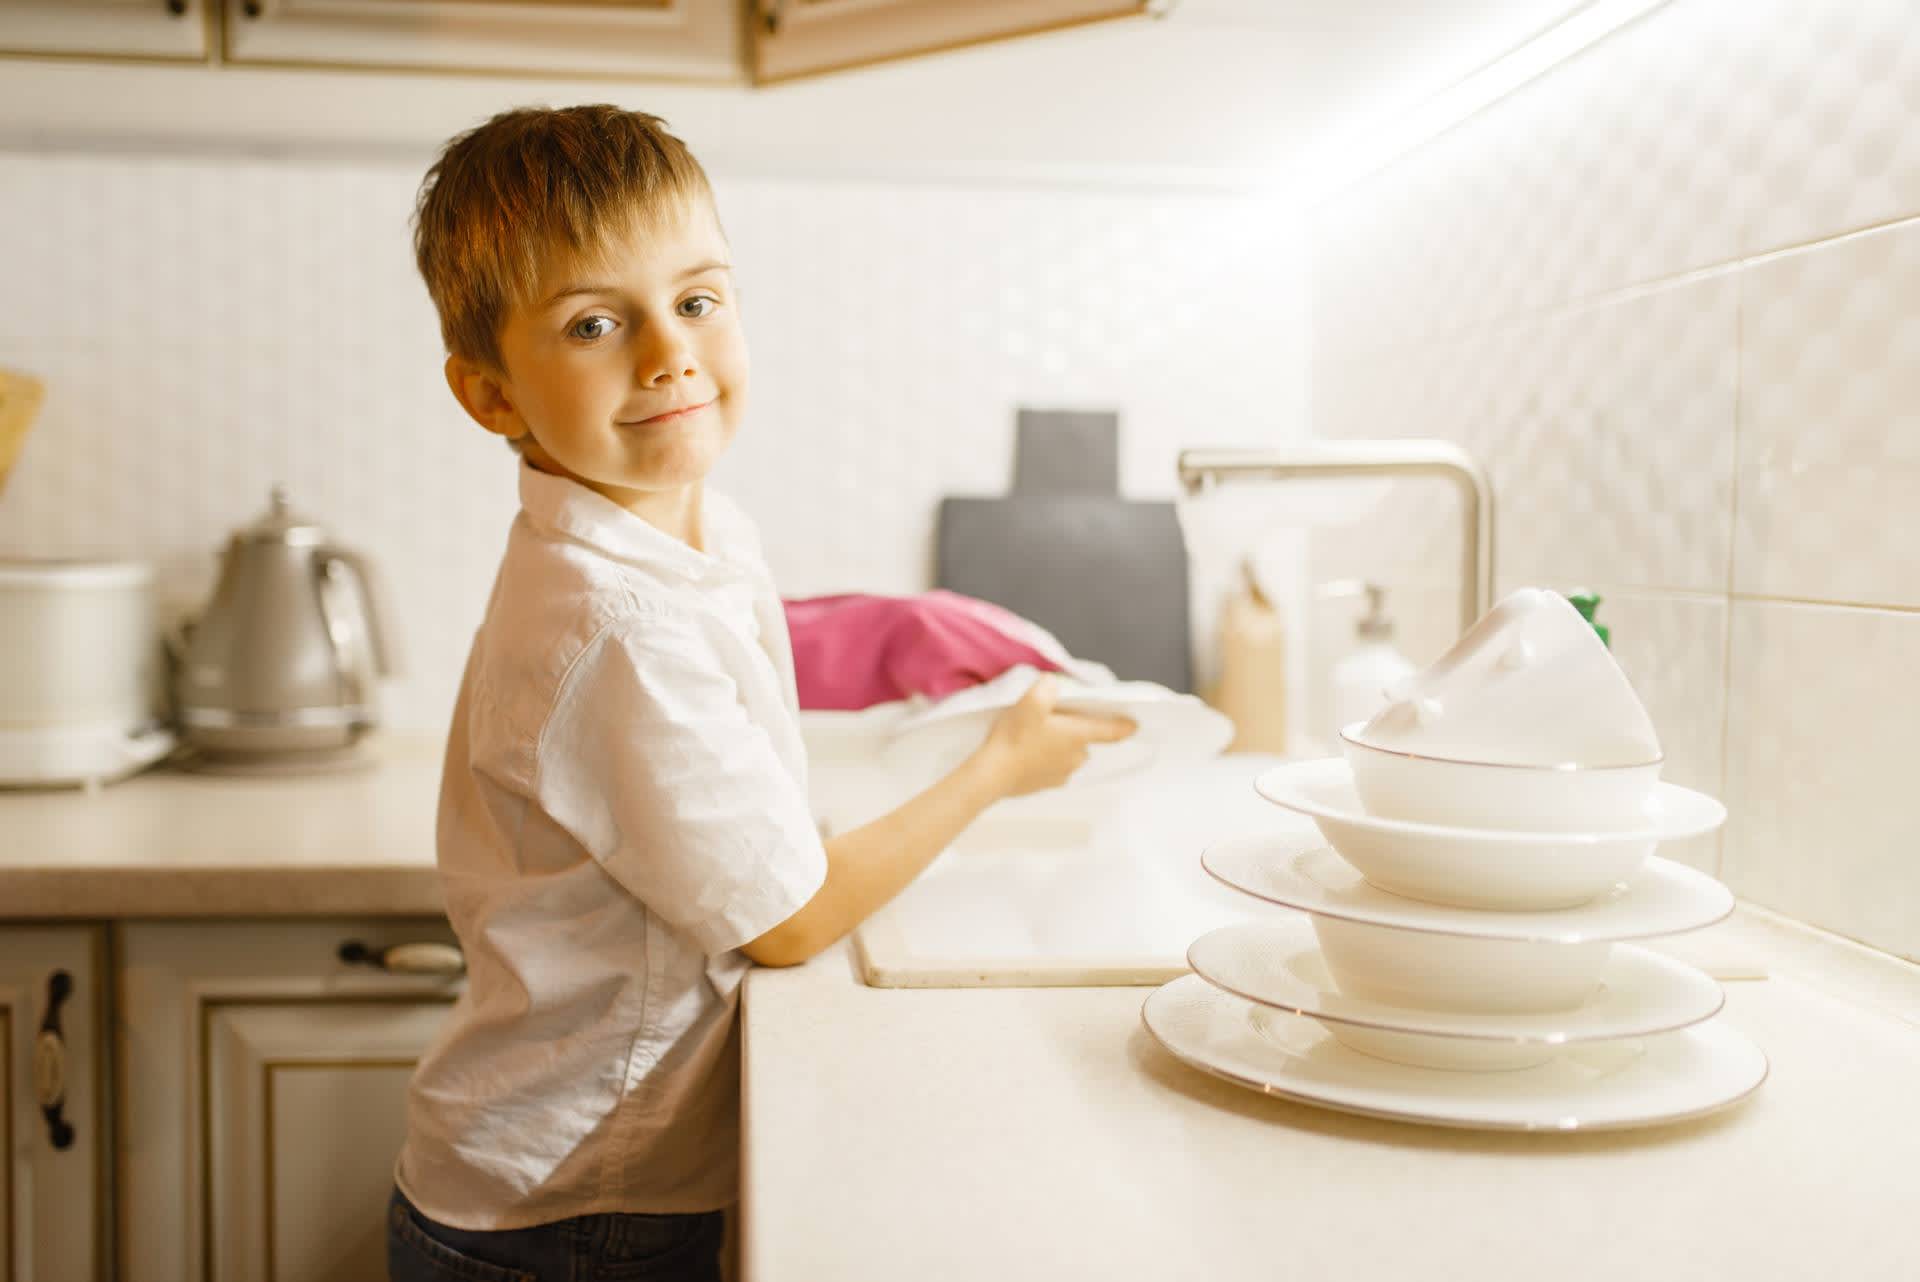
x,y
1459,951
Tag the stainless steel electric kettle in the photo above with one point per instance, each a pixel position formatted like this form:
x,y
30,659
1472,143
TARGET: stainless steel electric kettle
x,y
283,663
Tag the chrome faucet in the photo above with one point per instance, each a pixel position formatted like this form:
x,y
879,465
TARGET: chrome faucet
x,y
1334,459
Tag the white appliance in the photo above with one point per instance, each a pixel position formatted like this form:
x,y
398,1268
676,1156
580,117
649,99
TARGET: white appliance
x,y
83,672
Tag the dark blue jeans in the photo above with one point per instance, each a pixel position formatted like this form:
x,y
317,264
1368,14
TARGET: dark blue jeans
x,y
587,1248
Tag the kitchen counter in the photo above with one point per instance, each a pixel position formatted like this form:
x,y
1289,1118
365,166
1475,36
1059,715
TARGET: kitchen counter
x,y
1043,1134
171,843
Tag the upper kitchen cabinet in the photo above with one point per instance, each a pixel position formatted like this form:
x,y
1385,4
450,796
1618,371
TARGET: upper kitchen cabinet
x,y
162,29
697,40
803,37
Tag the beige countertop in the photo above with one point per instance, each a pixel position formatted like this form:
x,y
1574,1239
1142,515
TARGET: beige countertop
x,y
1042,1133
170,843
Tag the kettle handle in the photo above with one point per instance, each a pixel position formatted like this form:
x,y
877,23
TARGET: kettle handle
x,y
385,659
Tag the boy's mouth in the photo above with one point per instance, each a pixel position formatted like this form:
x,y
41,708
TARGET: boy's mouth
x,y
668,416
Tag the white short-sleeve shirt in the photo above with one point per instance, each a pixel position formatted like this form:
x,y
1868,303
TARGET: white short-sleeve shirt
x,y
623,805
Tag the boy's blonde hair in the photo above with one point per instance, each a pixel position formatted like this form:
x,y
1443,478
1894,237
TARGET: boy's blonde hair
x,y
503,196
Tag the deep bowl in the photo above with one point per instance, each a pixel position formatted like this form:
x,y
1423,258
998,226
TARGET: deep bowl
x,y
1428,971
1395,784
1480,867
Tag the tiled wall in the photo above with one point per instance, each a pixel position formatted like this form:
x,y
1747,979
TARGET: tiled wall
x,y
210,325
1670,294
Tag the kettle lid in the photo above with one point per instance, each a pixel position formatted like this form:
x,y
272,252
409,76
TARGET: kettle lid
x,y
281,524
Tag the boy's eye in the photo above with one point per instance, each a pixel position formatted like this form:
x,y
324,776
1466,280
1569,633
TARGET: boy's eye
x,y
699,305
581,328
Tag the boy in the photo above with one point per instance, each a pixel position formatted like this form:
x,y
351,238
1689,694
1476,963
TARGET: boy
x,y
623,822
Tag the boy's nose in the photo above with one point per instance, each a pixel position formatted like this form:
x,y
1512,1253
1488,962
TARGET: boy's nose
x,y
667,357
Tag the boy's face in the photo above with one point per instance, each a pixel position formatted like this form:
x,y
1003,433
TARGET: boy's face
x,y
629,377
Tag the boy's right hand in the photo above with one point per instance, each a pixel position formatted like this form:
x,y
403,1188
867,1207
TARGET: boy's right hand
x,y
1034,747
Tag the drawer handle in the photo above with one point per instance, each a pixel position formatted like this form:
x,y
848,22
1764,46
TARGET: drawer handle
x,y
50,1063
406,959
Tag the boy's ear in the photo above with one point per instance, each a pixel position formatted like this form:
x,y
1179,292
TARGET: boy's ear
x,y
483,395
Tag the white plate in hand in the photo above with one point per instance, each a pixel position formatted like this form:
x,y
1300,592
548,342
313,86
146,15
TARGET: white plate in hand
x,y
1174,728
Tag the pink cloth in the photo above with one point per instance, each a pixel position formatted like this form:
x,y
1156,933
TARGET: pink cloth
x,y
853,651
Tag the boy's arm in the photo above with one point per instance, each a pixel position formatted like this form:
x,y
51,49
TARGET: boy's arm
x,y
1031,747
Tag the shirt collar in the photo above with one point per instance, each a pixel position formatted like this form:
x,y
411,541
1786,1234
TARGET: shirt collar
x,y
569,508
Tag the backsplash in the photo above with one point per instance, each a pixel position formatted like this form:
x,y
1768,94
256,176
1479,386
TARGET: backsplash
x,y
1667,295
210,325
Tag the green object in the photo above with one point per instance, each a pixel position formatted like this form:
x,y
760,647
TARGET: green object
x,y
1587,603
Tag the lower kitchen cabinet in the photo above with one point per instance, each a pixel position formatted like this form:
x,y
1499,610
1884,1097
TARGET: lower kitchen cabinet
x,y
55,1198
262,1078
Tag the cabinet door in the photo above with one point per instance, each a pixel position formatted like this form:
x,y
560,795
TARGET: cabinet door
x,y
696,40
171,29
263,1079
306,1111
800,37
53,1198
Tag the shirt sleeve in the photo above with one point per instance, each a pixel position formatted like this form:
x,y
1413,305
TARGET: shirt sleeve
x,y
651,760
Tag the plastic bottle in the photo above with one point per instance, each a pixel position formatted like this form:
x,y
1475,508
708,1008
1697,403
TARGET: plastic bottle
x,y
1253,671
1360,681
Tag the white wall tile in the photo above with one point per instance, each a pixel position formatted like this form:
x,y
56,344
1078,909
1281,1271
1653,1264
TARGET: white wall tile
x,y
1822,708
209,326
1829,465
1616,169
1616,464
1831,141
1673,648
1709,131
1606,431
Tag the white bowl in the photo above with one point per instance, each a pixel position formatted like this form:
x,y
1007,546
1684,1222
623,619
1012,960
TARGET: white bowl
x,y
1638,994
1530,683
1426,971
1454,1053
1481,868
1662,898
1475,794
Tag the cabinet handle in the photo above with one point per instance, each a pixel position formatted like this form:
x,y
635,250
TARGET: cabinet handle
x,y
251,8
50,1062
178,8
406,959
770,14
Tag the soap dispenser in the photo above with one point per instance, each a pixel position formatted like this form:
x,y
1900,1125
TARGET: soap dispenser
x,y
1360,681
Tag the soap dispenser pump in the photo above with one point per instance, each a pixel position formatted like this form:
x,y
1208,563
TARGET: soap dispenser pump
x,y
1361,680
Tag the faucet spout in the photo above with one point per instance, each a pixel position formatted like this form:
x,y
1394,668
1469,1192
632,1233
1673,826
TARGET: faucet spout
x,y
1331,459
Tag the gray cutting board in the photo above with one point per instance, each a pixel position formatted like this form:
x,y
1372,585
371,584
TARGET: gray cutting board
x,y
1106,575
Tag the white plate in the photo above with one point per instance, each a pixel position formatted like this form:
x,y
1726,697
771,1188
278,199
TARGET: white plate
x,y
1279,964
1480,868
1598,1086
1663,898
1173,728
